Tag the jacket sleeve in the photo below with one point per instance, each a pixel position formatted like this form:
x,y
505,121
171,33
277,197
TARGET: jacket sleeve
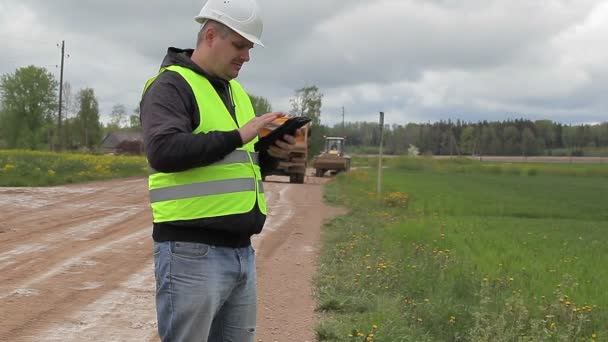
x,y
169,114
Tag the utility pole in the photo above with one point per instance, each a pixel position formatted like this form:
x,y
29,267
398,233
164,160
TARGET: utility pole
x,y
59,132
379,190
343,129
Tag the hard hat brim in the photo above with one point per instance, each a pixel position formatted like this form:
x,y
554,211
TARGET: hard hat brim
x,y
202,19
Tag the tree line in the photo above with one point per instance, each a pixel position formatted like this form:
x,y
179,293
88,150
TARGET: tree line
x,y
518,137
29,113
29,120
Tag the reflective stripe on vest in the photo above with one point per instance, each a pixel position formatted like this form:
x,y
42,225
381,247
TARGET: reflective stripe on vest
x,y
237,156
204,189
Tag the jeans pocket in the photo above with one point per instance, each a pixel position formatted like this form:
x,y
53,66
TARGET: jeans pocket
x,y
160,263
189,250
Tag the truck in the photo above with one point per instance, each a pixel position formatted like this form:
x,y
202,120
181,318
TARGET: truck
x,y
332,158
295,164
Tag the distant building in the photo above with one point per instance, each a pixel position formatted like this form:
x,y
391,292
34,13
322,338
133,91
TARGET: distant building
x,y
121,142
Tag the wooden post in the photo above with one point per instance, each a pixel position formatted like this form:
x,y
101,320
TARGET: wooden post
x,y
379,190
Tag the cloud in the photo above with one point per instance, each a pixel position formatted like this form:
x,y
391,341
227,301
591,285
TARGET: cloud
x,y
417,60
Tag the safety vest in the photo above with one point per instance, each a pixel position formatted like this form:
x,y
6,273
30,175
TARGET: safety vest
x,y
227,187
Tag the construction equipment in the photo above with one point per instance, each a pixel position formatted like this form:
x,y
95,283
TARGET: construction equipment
x,y
294,165
333,158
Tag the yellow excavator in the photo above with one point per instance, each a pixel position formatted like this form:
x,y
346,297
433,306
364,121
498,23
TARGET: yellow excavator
x,y
333,158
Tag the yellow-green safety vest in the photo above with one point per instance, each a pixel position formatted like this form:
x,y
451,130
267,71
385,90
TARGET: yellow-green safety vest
x,y
227,187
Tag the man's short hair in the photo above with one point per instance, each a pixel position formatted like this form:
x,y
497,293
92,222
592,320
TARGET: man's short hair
x,y
222,30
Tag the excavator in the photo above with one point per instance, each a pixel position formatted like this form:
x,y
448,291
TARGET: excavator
x,y
333,158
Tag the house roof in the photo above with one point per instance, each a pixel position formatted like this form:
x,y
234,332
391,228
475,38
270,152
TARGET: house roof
x,y
113,139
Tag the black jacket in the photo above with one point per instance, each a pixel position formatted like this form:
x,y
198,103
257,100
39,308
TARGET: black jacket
x,y
169,114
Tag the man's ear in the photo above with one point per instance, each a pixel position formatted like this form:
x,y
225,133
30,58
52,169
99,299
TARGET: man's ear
x,y
209,35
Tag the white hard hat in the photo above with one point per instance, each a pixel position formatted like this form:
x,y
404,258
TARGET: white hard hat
x,y
242,16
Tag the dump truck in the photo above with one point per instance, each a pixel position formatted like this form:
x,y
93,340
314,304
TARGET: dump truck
x,y
333,158
295,164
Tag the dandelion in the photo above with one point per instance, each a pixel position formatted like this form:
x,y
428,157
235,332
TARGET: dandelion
x,y
374,326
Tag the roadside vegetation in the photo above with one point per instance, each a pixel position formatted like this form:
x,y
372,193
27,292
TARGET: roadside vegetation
x,y
35,168
459,250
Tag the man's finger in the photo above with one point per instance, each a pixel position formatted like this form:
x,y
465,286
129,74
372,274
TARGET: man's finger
x,y
270,117
290,139
277,152
283,145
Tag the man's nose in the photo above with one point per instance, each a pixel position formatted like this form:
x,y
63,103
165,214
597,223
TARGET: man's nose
x,y
245,55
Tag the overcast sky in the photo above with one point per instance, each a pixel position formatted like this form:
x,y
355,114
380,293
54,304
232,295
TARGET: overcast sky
x,y
416,60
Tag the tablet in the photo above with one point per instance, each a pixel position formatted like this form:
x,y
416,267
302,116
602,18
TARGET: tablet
x,y
289,127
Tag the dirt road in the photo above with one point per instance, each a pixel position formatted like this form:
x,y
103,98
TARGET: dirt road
x,y
76,262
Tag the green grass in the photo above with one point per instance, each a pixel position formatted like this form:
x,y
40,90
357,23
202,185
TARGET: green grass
x,y
457,251
35,168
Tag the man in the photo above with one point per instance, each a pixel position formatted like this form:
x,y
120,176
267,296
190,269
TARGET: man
x,y
206,179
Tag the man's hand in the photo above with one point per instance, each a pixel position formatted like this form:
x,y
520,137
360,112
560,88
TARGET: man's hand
x,y
281,148
252,129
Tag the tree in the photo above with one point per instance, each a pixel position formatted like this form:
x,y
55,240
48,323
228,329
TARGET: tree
x,y
529,143
467,140
2,138
490,143
307,102
546,131
260,105
88,118
511,140
118,116
134,123
29,98
68,100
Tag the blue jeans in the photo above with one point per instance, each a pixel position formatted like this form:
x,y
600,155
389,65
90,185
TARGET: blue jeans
x,y
204,292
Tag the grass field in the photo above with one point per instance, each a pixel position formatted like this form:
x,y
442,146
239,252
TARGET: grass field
x,y
33,168
457,250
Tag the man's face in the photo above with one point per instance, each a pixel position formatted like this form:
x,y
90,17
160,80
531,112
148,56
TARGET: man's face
x,y
230,54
